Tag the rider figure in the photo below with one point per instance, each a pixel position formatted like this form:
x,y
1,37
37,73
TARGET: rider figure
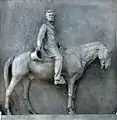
x,y
46,39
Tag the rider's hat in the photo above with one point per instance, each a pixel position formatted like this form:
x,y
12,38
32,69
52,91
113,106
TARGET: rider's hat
x,y
50,11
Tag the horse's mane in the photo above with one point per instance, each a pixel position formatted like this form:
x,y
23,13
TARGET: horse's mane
x,y
90,44
87,47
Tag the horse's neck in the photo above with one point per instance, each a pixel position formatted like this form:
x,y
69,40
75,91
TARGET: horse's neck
x,y
90,56
89,52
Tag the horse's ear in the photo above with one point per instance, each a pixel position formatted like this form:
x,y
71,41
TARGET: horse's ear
x,y
109,48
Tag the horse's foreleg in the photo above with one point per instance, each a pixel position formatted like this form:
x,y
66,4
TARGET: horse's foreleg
x,y
26,89
26,96
70,95
9,91
74,96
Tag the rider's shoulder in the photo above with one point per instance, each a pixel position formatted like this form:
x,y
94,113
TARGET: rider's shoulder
x,y
44,25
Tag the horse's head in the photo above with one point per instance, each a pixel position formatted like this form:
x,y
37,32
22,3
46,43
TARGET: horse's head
x,y
104,56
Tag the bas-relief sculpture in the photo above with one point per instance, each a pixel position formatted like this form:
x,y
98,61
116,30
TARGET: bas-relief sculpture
x,y
48,62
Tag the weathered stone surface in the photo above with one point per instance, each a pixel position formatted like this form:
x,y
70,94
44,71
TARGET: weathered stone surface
x,y
77,22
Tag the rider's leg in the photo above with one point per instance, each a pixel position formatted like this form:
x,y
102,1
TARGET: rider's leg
x,y
58,79
58,67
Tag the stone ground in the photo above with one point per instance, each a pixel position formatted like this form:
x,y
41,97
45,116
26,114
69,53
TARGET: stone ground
x,y
60,117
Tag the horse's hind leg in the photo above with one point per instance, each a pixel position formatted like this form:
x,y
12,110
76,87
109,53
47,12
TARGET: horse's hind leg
x,y
9,91
26,96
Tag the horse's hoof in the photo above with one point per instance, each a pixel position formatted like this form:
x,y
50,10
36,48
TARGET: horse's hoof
x,y
70,111
32,112
8,112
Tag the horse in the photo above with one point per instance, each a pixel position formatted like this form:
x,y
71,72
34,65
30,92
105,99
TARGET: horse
x,y
75,62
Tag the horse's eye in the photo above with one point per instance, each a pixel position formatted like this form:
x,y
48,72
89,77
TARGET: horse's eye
x,y
107,56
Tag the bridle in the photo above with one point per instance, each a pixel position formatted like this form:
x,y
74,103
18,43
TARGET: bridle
x,y
79,56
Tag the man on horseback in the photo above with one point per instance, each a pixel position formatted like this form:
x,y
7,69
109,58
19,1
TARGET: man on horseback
x,y
46,39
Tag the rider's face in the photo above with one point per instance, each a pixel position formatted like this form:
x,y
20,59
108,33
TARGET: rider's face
x,y
50,16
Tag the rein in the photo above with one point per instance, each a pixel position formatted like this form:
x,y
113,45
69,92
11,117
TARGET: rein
x,y
79,56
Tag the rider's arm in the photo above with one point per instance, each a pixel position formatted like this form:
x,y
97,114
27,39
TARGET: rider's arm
x,y
41,36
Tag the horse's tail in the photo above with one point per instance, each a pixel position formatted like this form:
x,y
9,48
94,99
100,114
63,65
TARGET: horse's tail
x,y
8,71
